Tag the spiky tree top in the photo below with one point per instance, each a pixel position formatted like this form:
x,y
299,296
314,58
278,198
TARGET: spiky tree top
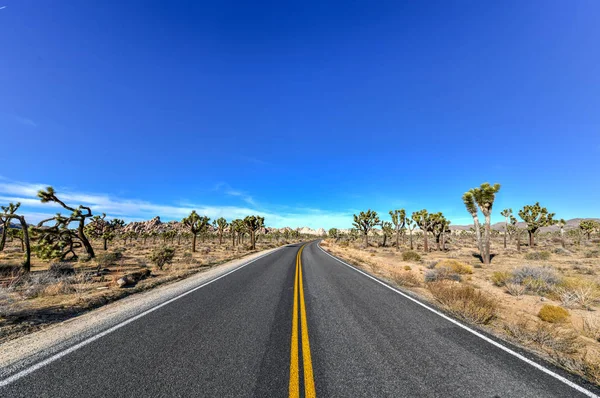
x,y
398,218
333,233
195,223
254,223
220,224
386,228
536,217
365,221
482,197
431,222
588,226
49,195
11,208
506,213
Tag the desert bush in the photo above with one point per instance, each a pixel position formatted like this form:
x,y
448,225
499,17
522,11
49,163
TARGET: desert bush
x,y
406,279
536,279
538,256
439,274
547,336
591,328
60,287
344,243
582,365
60,269
561,252
162,256
592,254
465,301
577,292
407,267
411,256
6,302
108,259
499,278
515,289
553,314
455,266
9,270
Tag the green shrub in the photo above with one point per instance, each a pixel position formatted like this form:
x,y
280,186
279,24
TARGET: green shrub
x,y
407,267
553,314
455,266
162,256
411,256
108,259
592,254
538,256
499,278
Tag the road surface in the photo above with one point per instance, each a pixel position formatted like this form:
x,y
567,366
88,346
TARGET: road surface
x,y
291,324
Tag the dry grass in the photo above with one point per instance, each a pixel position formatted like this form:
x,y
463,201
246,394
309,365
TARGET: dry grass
x,y
406,278
465,301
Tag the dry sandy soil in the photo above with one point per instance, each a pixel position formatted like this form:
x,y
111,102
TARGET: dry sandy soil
x,y
43,298
571,282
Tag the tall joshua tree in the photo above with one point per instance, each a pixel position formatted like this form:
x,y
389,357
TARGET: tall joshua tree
x,y
441,226
253,224
78,215
482,198
387,231
99,228
8,213
536,217
411,225
365,221
588,227
506,213
195,224
399,221
425,223
220,225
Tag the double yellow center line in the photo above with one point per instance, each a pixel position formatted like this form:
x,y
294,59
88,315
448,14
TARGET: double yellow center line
x,y
309,382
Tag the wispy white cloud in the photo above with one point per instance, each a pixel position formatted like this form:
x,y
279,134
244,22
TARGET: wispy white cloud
x,y
135,209
26,121
255,161
228,190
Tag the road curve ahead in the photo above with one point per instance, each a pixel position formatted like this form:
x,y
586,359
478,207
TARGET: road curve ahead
x,y
294,323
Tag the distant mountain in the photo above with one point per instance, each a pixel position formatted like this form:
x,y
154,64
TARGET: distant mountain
x,y
499,226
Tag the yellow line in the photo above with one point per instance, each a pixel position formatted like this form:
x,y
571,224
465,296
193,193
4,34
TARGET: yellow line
x,y
309,381
294,388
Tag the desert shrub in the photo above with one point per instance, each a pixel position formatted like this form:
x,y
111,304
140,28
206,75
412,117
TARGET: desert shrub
x,y
543,255
536,279
465,301
344,243
439,274
553,314
162,256
592,254
9,269
407,267
515,289
108,259
60,287
581,365
431,264
561,252
406,279
411,256
544,335
60,269
499,278
455,266
591,328
577,292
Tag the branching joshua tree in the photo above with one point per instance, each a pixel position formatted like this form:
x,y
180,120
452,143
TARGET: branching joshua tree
x,y
588,227
99,228
536,217
425,223
196,225
411,225
253,224
220,225
387,231
236,226
399,221
365,222
515,231
78,215
333,233
482,198
506,213
8,213
441,227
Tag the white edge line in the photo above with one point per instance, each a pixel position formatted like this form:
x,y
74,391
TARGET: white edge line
x,y
476,333
39,365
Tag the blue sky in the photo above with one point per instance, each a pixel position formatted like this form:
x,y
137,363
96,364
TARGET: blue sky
x,y
305,112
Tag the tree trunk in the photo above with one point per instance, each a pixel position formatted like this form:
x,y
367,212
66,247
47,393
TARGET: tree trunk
x,y
105,243
505,232
221,238
253,240
384,239
562,237
425,244
486,238
531,239
193,243
86,243
411,240
233,238
367,239
397,239
518,240
3,239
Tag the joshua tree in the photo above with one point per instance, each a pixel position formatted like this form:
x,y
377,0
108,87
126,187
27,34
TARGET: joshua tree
x,y
506,213
424,220
333,233
5,219
561,225
78,215
514,230
9,214
387,231
365,222
99,228
233,228
588,227
196,224
441,226
253,224
535,217
220,225
399,221
482,198
411,225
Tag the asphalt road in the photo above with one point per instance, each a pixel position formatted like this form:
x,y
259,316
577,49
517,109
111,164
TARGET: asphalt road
x,y
353,337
